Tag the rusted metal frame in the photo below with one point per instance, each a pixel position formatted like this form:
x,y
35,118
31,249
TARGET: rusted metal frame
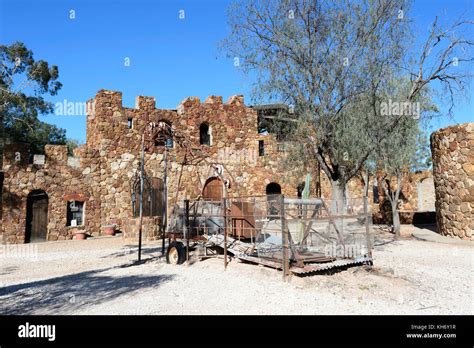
x,y
284,233
274,264
308,227
367,227
225,232
296,254
325,266
187,230
142,168
331,221
255,241
343,216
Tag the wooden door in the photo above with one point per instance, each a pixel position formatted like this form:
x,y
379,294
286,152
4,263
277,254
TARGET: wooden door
x,y
37,218
158,190
213,190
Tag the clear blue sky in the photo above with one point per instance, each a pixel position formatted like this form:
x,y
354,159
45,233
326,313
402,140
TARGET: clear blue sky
x,y
170,58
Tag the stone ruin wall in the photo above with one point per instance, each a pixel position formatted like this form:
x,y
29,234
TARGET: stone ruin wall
x,y
60,176
100,174
234,145
453,166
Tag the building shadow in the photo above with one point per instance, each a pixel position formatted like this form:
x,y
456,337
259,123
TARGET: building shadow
x,y
73,292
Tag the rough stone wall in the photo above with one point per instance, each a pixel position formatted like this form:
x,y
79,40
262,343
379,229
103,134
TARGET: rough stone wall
x,y
61,179
150,228
101,171
234,145
414,187
453,166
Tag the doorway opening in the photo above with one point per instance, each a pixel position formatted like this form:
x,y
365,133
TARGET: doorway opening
x,y
36,217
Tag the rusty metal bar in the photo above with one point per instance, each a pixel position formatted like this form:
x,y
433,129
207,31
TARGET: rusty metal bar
x,y
304,201
186,205
165,210
225,233
284,235
367,227
142,168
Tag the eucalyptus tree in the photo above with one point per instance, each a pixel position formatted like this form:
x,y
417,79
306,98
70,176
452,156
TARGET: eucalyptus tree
x,y
333,62
23,83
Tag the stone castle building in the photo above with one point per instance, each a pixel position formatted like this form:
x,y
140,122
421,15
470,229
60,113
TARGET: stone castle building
x,y
205,146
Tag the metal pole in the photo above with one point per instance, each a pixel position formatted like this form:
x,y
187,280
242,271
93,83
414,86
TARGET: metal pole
x,y
142,166
165,194
284,236
367,229
186,205
225,233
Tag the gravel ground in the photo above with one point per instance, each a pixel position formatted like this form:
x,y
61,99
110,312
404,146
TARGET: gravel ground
x,y
98,276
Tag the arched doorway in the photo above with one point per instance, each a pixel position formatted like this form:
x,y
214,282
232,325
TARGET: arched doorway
x,y
273,190
213,190
426,195
36,217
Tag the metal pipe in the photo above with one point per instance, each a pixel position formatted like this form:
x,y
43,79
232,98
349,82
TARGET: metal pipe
x,y
304,201
186,205
367,228
225,233
284,237
142,166
165,194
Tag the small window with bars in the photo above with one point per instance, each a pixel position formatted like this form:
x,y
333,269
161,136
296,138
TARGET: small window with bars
x,y
261,148
75,213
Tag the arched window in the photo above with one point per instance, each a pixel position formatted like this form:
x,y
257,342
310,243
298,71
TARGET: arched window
x,y
164,134
205,134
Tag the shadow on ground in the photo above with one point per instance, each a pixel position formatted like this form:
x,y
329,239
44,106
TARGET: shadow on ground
x,y
133,249
71,292
8,270
431,227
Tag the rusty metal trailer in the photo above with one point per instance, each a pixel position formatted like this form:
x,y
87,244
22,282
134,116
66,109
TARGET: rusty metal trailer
x,y
299,236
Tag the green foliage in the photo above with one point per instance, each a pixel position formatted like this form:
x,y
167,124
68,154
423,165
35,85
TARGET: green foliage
x,y
23,82
71,145
327,59
422,158
36,133
342,64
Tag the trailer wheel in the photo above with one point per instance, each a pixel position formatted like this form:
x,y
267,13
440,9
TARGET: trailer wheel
x,y
175,254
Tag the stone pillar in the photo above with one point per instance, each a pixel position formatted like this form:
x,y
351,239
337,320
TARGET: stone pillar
x,y
452,150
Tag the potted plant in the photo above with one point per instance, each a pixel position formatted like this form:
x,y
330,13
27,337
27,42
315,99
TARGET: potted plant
x,y
109,230
80,234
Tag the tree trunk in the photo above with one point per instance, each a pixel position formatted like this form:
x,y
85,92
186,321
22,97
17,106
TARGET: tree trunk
x,y
395,218
366,183
337,197
337,206
393,198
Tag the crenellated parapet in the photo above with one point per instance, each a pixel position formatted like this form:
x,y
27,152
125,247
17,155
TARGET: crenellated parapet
x,y
18,155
